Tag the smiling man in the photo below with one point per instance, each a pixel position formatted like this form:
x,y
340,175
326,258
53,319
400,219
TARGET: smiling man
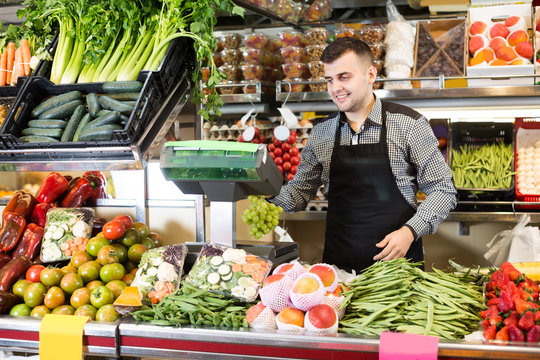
x,y
372,157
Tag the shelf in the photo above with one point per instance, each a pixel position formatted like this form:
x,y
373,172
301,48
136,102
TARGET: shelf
x,y
249,5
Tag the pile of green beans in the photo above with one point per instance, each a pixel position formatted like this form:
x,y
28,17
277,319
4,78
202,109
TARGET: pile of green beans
x,y
486,167
398,296
192,306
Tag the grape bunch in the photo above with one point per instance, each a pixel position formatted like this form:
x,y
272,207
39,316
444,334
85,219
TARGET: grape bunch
x,y
261,215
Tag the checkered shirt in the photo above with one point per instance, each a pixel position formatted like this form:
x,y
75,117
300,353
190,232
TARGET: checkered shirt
x,y
416,162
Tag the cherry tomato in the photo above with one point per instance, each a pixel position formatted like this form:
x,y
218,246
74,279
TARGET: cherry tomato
x,y
32,274
287,166
286,157
285,147
271,147
124,219
113,229
294,151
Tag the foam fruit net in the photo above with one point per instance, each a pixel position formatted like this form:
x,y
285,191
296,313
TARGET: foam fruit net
x,y
265,321
311,328
334,284
334,301
294,272
276,295
288,327
306,302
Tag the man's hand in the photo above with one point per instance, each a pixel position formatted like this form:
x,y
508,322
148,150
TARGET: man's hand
x,y
396,244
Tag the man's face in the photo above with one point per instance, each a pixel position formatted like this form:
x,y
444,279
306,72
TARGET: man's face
x,y
350,82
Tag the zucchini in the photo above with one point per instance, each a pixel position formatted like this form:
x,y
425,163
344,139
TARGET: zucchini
x,y
103,132
93,104
111,104
61,111
122,86
73,123
47,124
216,260
36,138
125,96
130,102
213,278
56,101
103,112
224,269
112,117
123,119
85,120
55,133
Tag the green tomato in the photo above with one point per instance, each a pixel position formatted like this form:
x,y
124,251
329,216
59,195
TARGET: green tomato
x,y
89,271
71,282
148,243
86,310
20,286
112,272
96,243
107,313
141,228
34,294
51,276
40,311
101,296
121,250
20,310
64,309
130,237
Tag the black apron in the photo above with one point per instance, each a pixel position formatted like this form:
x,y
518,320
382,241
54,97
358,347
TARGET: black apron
x,y
364,203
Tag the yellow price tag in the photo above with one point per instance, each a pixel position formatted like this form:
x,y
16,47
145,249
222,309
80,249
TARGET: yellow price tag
x,y
61,337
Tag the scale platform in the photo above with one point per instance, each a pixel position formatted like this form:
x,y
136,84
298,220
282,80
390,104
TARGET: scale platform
x,y
226,172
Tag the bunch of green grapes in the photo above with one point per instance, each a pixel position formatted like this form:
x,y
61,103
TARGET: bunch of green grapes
x,y
261,215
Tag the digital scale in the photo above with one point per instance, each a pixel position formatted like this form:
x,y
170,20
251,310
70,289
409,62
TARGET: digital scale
x,y
226,172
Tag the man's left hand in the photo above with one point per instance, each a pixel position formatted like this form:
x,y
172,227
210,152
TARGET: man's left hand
x,y
396,244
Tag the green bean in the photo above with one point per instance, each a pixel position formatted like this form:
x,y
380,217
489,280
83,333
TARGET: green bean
x,y
429,318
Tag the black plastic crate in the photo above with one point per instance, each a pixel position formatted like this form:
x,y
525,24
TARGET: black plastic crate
x,y
476,134
178,57
38,89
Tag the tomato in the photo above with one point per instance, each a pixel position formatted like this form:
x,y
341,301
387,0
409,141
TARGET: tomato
x,y
20,310
278,152
64,309
285,147
34,294
294,169
112,272
278,160
68,269
130,237
51,276
141,228
125,219
20,286
80,297
280,168
135,252
292,139
86,310
107,255
129,266
113,229
94,284
295,160
71,282
442,142
32,274
286,157
89,271
96,243
116,286
121,250
79,258
40,311
294,151
148,243
101,296
156,238
287,166
271,147
128,279
290,177
107,313
54,297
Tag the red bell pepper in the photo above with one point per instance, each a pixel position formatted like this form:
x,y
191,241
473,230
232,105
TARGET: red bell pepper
x,y
51,188
11,231
4,259
21,203
39,215
12,271
30,244
99,184
80,189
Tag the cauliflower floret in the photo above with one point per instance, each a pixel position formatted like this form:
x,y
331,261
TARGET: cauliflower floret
x,y
81,229
166,272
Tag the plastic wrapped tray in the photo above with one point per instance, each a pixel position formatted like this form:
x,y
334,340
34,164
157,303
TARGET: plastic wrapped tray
x,y
229,272
527,136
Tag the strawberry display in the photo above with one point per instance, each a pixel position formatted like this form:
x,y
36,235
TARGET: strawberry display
x,y
512,306
286,155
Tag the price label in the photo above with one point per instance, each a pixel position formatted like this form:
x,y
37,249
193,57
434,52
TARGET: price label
x,y
408,347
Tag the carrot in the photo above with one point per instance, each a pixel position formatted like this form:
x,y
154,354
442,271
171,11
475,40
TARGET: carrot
x,y
236,268
257,277
64,246
256,266
26,55
78,241
10,60
82,247
247,268
18,67
251,258
3,68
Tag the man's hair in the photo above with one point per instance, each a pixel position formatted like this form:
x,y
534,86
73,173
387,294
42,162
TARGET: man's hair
x,y
344,44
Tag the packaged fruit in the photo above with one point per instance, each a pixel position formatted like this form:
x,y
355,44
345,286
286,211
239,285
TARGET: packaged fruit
x,y
231,40
66,232
316,68
258,57
205,73
217,58
377,49
371,34
256,72
292,54
319,85
256,41
346,32
322,319
159,272
290,10
318,10
295,70
314,52
231,71
292,38
229,272
230,56
229,89
250,87
291,84
318,35
274,45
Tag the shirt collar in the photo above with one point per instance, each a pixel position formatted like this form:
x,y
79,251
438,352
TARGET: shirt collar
x,y
375,115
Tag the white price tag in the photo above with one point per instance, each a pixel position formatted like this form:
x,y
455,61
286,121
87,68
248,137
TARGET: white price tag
x,y
245,118
290,119
249,133
282,133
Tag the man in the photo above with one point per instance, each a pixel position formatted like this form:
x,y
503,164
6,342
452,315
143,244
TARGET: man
x,y
371,157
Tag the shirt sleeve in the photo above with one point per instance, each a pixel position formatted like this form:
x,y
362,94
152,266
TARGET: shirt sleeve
x,y
434,178
303,187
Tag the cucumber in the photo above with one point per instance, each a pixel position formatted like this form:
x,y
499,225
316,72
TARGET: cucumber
x,y
125,96
227,277
47,124
111,104
123,119
93,104
61,111
112,117
103,132
122,86
85,120
224,269
73,123
35,138
213,278
56,101
55,133
216,260
103,112
130,102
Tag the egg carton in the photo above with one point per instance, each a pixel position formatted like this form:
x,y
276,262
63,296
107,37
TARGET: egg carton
x,y
528,161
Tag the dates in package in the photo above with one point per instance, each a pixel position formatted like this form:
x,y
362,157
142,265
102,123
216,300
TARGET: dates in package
x,y
159,272
229,272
